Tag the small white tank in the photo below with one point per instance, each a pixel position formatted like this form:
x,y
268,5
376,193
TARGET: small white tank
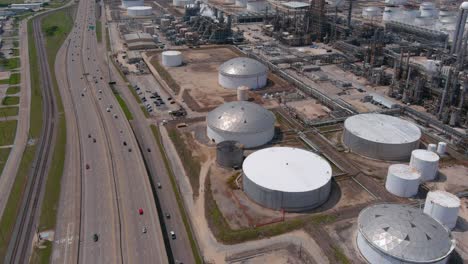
x,y
371,12
243,93
432,147
172,58
426,162
402,180
441,148
443,207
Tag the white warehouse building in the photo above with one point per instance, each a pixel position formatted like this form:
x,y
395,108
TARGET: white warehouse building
x,y
242,71
381,137
130,3
247,123
286,178
401,234
139,11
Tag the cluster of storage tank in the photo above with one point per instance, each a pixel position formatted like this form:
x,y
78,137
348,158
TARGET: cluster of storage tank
x,y
403,180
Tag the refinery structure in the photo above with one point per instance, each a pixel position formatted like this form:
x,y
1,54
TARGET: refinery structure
x,y
341,122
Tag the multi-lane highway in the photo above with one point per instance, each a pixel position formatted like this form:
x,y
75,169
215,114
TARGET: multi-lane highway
x,y
104,171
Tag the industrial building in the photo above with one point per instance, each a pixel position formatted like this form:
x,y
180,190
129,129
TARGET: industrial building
x,y
242,72
392,233
131,3
139,11
443,207
136,41
285,178
379,136
247,123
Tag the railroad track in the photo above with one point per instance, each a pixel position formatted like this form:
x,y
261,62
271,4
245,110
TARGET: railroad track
x,y
18,249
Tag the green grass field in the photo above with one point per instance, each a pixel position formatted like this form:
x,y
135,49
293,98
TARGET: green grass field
x,y
10,64
15,78
124,106
99,31
8,111
13,90
4,152
7,132
10,100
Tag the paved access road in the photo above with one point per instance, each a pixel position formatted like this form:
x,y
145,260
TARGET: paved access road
x,y
105,181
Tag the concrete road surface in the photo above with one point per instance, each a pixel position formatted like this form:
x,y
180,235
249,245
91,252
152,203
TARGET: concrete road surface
x,y
113,183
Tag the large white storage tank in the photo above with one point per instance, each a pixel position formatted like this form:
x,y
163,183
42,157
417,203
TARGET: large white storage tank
x,y
426,162
256,6
393,233
443,206
242,71
402,180
379,136
371,12
287,178
130,3
241,3
247,123
138,11
172,58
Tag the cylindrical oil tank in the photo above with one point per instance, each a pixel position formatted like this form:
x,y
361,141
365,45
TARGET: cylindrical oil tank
x,y
256,6
130,3
172,58
441,148
241,3
426,162
402,180
243,93
229,154
432,147
379,136
443,207
371,12
138,11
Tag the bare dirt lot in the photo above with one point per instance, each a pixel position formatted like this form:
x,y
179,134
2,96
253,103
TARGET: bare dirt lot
x,y
289,254
197,79
310,108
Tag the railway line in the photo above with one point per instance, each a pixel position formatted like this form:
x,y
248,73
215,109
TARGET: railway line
x,y
20,244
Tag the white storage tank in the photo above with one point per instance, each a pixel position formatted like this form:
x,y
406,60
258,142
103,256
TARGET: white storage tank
x,y
172,58
243,93
256,6
432,147
241,3
401,234
426,162
130,3
443,207
247,123
139,11
371,12
391,13
441,148
402,180
379,136
287,178
242,71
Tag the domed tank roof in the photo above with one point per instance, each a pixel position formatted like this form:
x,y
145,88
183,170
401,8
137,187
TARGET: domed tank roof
x,y
242,66
464,5
405,233
240,117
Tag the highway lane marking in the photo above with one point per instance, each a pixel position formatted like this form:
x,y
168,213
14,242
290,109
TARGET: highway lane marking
x,y
69,239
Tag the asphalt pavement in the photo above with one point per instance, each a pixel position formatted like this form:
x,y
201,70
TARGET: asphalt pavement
x,y
113,181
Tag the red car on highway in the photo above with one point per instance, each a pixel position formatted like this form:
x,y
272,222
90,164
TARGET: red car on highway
x,y
140,211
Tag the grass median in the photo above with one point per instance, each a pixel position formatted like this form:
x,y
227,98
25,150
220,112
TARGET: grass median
x,y
124,106
13,90
10,100
10,64
7,132
4,152
99,31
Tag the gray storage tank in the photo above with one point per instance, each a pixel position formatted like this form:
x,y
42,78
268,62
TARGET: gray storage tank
x,y
229,154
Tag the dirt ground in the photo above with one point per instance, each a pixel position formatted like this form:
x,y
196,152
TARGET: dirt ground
x,y
343,234
310,108
453,178
205,94
287,255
